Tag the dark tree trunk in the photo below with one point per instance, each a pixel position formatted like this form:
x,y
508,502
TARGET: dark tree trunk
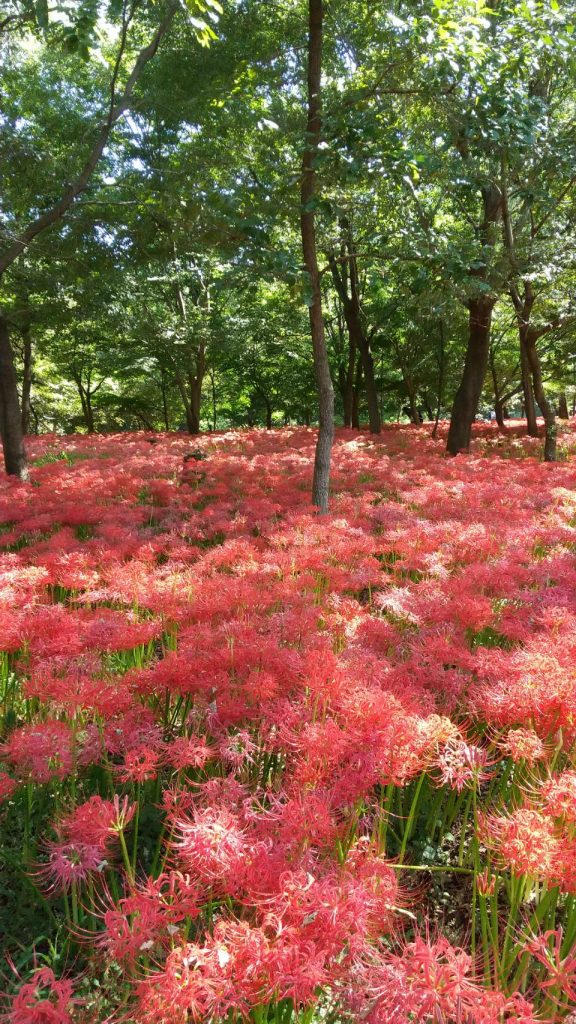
x,y
528,393
412,400
10,413
441,364
26,378
193,411
86,399
163,389
498,400
500,414
268,405
346,383
480,320
356,395
321,480
213,383
196,382
529,338
348,272
563,406
468,395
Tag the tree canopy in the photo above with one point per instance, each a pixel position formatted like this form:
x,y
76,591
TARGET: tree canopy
x,y
154,178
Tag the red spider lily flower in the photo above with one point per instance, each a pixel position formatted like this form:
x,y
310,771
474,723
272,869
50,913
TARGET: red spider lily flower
x,y
461,765
523,745
561,970
213,844
140,765
559,795
69,863
97,821
187,752
41,751
7,786
43,1000
526,841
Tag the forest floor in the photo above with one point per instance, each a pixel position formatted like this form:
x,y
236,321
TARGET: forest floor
x,y
255,759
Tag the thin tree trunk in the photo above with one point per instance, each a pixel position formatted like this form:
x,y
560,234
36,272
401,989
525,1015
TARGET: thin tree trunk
x,y
26,378
196,382
528,392
412,400
480,310
164,398
529,338
87,410
498,401
468,395
441,364
10,413
213,384
351,306
321,480
356,396
563,406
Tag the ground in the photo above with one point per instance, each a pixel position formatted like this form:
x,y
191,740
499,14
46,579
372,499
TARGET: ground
x,y
257,759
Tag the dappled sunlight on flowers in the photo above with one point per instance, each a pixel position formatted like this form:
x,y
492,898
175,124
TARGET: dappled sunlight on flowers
x,y
254,755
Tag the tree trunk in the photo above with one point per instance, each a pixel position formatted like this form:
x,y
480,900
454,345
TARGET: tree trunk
x,y
346,383
468,395
528,392
213,384
321,480
268,414
26,378
164,398
441,363
528,340
412,400
88,410
193,411
356,395
10,413
563,406
480,320
498,400
352,315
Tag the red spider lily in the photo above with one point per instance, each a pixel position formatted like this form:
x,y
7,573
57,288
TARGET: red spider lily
x,y
560,970
140,765
42,1000
41,751
523,745
7,786
97,821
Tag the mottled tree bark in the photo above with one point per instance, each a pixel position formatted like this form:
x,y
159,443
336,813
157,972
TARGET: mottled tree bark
x,y
356,394
346,282
26,377
468,395
308,191
563,406
480,309
10,413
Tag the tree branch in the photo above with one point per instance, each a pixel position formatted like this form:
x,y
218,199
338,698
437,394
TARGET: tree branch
x,y
57,212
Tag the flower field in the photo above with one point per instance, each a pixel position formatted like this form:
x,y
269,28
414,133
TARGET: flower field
x,y
260,764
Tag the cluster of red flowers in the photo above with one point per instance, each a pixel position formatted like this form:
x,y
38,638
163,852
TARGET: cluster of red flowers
x,y
279,689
